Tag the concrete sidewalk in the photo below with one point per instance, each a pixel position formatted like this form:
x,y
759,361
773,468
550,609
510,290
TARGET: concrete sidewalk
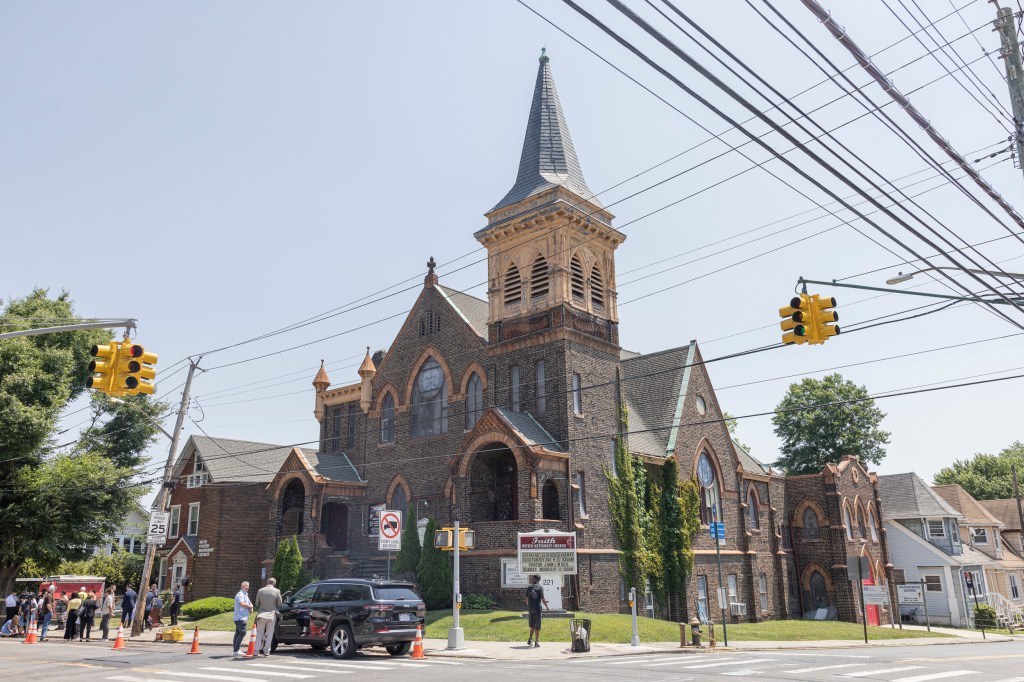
x,y
558,650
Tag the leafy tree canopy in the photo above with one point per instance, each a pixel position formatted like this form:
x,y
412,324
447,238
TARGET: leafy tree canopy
x,y
821,420
986,477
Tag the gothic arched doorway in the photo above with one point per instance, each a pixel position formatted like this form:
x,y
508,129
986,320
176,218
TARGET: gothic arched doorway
x,y
494,488
334,524
293,507
551,507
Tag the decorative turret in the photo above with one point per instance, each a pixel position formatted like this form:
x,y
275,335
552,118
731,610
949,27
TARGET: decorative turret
x,y
366,372
320,382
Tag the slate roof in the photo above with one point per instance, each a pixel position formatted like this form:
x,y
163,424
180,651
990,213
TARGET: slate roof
x,y
1004,510
906,496
334,466
549,158
749,462
472,309
238,461
654,386
531,430
974,514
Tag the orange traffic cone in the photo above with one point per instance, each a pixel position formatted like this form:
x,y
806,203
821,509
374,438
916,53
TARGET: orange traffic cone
x,y
251,652
119,640
417,646
195,642
32,637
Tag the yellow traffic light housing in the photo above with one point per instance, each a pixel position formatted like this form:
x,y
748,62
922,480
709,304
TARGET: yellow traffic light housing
x,y
824,318
443,539
797,325
104,367
135,370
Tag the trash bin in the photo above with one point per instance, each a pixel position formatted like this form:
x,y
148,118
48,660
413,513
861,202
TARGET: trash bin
x,y
580,630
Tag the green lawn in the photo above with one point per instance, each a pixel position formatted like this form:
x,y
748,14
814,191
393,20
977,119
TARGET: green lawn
x,y
509,626
222,621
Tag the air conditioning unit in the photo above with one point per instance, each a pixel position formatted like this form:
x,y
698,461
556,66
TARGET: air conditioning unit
x,y
738,609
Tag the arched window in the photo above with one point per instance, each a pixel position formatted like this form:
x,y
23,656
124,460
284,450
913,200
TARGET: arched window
x,y
576,280
596,288
429,408
539,278
387,419
848,521
819,591
752,507
549,501
399,501
710,500
293,508
860,522
474,400
513,285
811,529
872,524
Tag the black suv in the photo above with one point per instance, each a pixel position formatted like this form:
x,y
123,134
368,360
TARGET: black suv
x,y
347,614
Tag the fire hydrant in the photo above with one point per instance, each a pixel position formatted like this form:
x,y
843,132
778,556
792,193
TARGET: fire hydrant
x,y
695,632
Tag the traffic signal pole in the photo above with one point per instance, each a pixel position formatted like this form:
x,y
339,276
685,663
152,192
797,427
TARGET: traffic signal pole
x,y
890,290
161,500
128,325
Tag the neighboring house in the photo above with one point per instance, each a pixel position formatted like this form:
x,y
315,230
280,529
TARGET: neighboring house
x,y
131,536
1009,514
923,532
1004,574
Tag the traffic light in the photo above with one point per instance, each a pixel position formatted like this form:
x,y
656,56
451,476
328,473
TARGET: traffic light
x,y
135,370
443,539
823,315
104,367
797,325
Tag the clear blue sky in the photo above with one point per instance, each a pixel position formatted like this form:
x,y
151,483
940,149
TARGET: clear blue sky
x,y
252,164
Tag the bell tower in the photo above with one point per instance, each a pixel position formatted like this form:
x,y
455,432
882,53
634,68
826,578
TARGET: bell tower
x,y
550,243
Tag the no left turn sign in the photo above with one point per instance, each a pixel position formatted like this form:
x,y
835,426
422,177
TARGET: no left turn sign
x,y
390,537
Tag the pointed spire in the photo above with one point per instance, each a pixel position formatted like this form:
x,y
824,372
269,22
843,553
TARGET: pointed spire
x,y
549,158
321,381
367,367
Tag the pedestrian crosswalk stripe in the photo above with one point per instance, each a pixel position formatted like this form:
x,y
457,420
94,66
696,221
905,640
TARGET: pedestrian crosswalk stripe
x,y
633,659
738,661
824,667
936,676
305,670
434,661
889,671
206,676
356,666
221,668
128,678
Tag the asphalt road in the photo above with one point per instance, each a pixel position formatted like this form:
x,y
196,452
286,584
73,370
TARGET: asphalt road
x,y
995,662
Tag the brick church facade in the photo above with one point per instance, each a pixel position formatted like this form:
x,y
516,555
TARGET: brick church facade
x,y
503,414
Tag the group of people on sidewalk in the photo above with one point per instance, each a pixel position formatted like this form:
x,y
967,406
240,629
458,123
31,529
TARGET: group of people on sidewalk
x,y
153,606
268,598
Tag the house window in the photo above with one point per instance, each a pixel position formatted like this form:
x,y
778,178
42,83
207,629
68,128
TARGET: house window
x,y
513,379
980,536
762,590
399,501
710,502
819,597
576,279
731,580
350,440
193,518
874,526
752,507
860,523
954,532
933,583
474,400
577,394
539,278
197,464
812,531
936,529
995,536
702,598
175,521
387,419
429,401
849,523
513,286
899,575
596,288
336,433
542,403
1014,588
581,483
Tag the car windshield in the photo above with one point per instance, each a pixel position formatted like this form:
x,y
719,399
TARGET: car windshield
x,y
395,592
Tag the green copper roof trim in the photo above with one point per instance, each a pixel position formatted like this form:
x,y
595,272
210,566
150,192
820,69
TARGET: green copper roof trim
x,y
671,447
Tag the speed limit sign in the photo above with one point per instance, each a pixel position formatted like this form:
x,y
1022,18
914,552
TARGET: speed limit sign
x,y
158,522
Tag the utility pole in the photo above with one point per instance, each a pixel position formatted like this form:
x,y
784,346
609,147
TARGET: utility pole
x,y
1020,512
1006,24
161,500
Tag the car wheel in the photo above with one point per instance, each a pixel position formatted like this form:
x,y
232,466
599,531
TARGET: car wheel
x,y
318,647
399,649
343,644
273,645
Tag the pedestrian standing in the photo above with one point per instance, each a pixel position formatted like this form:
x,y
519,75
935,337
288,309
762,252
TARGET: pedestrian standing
x,y
106,610
176,597
12,605
47,611
128,600
62,610
534,598
242,609
154,611
74,606
150,595
85,624
267,601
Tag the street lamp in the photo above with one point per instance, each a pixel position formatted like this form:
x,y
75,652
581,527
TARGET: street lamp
x,y
900,278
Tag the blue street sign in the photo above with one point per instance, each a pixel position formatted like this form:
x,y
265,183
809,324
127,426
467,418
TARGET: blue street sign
x,y
717,530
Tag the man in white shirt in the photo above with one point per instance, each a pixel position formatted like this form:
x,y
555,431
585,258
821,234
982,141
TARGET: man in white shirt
x,y
242,609
12,606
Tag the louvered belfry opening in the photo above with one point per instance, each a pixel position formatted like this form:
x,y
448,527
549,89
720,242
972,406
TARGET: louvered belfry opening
x,y
578,290
513,286
596,288
539,278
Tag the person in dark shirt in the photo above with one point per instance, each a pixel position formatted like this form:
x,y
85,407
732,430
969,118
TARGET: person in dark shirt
x,y
128,605
534,598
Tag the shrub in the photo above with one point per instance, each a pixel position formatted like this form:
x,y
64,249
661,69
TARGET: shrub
x,y
434,572
211,606
984,616
288,565
478,602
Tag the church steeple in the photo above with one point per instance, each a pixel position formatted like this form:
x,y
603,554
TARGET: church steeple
x,y
548,157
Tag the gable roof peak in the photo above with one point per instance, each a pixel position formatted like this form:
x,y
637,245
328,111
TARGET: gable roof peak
x,y
548,158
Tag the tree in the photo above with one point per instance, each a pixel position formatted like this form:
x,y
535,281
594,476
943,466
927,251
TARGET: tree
x,y
54,504
820,421
680,508
409,556
732,424
626,501
120,568
288,565
986,477
434,572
